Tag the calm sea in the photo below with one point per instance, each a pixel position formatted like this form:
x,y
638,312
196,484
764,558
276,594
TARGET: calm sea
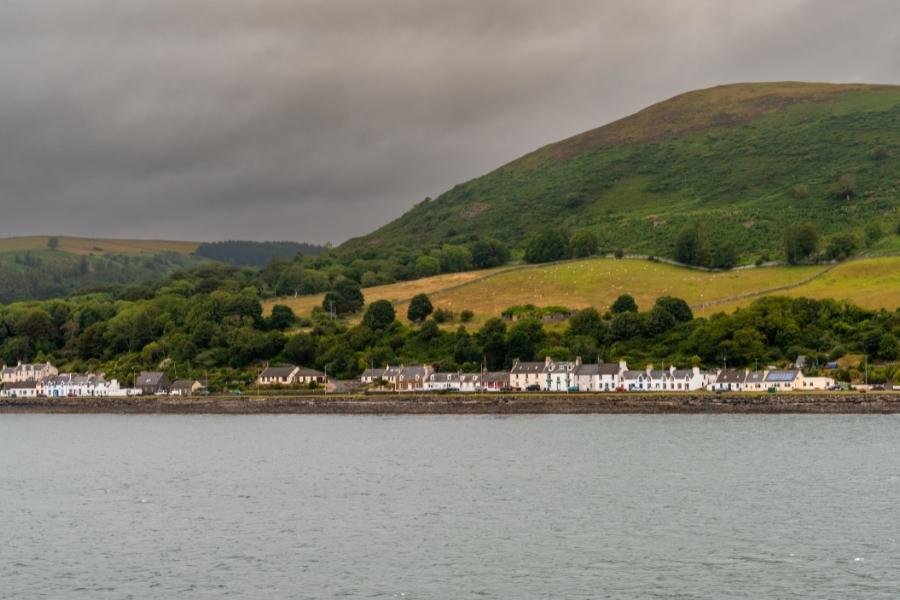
x,y
95,506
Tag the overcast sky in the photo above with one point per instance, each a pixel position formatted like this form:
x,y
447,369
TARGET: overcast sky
x,y
318,121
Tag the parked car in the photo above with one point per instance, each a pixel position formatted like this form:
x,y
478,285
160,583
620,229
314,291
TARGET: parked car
x,y
507,389
621,389
878,388
573,388
533,388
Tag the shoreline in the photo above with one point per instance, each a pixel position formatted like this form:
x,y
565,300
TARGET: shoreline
x,y
472,404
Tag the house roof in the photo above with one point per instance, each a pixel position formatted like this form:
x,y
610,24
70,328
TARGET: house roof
x,y
21,385
633,374
782,375
305,372
683,373
495,376
373,373
278,371
755,377
445,377
413,372
731,376
150,377
527,367
559,367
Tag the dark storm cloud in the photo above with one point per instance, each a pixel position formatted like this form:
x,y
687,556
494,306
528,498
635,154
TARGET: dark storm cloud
x,y
316,121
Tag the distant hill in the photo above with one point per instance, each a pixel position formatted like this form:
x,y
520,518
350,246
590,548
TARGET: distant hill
x,y
39,267
255,254
743,160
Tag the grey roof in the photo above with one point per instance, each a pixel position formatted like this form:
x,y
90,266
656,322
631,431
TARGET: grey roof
x,y
495,376
633,374
183,384
278,371
559,367
305,372
731,376
474,377
150,377
21,385
756,377
413,372
527,367
446,377
658,373
373,373
683,373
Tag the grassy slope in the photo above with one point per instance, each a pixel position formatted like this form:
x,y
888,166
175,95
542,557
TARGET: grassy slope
x,y
727,157
872,283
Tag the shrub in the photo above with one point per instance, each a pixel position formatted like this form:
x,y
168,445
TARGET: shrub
x,y
584,243
879,153
489,253
466,315
443,315
874,232
800,191
379,315
844,187
624,303
841,246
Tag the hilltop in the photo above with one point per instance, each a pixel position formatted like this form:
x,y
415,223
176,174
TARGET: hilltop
x,y
744,160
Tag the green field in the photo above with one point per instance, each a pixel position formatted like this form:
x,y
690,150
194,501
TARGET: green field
x,y
871,283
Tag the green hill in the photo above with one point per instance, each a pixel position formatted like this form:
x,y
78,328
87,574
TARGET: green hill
x,y
744,160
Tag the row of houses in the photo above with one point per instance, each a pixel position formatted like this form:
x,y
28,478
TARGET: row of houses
x,y
576,376
43,380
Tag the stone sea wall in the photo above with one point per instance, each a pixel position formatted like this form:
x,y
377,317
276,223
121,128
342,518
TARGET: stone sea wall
x,y
495,404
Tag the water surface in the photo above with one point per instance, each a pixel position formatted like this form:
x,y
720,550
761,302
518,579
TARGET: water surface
x,y
448,507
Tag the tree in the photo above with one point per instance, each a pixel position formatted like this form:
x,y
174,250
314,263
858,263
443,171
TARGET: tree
x,y
492,338
724,256
587,322
801,243
874,232
584,243
841,246
426,266
466,315
546,246
692,247
624,303
379,315
53,242
455,258
345,298
676,307
419,308
489,253
524,337
844,187
282,317
658,321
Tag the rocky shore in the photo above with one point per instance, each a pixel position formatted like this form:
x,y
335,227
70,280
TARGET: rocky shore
x,y
493,404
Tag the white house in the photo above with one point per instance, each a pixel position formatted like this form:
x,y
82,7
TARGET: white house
x,y
729,380
470,382
278,375
526,374
19,389
559,376
27,372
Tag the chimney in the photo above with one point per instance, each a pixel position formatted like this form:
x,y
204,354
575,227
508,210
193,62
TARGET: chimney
x,y
623,366
577,361
547,361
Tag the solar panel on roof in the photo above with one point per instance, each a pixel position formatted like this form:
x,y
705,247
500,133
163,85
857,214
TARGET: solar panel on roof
x,y
783,376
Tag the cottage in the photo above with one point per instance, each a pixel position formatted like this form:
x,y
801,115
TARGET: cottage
x,y
635,381
370,376
755,382
412,378
308,376
443,382
808,383
187,387
470,382
278,375
19,389
527,374
784,379
152,382
494,381
729,380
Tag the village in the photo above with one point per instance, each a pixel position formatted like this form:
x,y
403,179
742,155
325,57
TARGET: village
x,y
43,380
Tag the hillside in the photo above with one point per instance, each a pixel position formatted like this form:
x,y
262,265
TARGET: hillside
x,y
37,267
871,283
743,160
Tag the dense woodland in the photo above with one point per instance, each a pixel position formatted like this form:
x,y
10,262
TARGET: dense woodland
x,y
210,320
254,254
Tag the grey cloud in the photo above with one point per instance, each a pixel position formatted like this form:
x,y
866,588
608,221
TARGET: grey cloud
x,y
317,121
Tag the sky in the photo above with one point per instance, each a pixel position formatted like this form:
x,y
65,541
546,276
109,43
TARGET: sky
x,y
317,121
